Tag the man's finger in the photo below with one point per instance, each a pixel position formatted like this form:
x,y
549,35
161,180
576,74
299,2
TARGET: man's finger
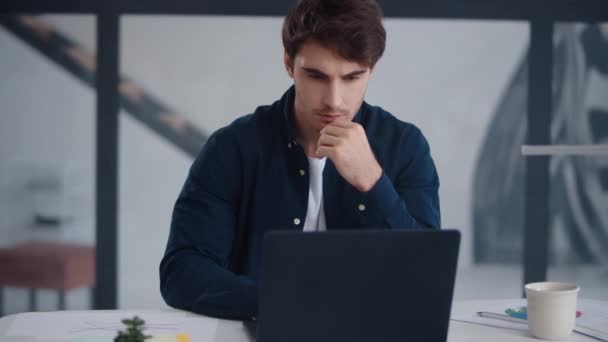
x,y
325,151
341,122
328,140
336,131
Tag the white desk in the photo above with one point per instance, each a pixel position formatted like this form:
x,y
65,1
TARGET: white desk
x,y
216,330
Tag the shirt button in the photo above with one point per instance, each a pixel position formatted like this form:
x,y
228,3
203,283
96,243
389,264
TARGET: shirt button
x,y
302,172
296,221
361,207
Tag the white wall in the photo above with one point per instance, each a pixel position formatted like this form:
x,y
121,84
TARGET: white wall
x,y
444,76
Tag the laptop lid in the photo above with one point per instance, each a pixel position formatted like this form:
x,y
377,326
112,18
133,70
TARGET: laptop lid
x,y
357,285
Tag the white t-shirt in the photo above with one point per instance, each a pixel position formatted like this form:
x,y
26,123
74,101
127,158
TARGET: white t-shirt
x,y
315,215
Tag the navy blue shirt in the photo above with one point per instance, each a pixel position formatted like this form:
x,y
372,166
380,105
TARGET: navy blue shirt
x,y
248,180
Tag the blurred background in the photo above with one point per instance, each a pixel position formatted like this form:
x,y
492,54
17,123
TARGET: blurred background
x,y
463,82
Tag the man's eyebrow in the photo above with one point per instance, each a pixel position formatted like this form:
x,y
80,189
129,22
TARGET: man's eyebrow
x,y
313,71
356,73
319,72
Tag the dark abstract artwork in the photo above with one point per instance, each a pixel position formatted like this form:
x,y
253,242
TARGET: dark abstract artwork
x,y
578,184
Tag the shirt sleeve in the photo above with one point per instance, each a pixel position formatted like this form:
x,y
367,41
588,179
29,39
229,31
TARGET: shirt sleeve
x,y
412,200
194,272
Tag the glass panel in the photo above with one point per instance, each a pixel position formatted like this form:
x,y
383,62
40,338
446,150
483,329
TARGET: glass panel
x,y
47,145
579,184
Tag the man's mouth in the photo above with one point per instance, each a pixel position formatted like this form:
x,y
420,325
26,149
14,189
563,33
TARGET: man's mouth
x,y
329,117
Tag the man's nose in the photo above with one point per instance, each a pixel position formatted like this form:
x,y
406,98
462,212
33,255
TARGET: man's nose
x,y
333,96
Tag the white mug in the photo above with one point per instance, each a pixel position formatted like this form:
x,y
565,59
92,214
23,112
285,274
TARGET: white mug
x,y
551,309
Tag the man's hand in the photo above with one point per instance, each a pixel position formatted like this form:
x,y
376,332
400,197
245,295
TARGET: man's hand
x,y
345,143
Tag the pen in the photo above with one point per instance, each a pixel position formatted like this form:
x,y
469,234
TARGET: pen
x,y
501,317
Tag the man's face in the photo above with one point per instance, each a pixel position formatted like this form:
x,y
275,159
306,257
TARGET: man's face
x,y
327,86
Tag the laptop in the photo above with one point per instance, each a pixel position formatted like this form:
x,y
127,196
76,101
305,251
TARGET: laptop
x,y
353,286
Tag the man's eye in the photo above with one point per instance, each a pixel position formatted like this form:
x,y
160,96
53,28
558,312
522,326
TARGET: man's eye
x,y
351,78
316,76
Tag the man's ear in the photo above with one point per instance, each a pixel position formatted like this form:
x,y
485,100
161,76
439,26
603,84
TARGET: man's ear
x,y
288,64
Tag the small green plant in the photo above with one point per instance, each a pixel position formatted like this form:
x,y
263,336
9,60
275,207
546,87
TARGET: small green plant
x,y
134,331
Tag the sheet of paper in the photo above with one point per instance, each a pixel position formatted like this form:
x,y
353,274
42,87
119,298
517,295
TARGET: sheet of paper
x,y
69,325
593,322
498,307
93,339
155,338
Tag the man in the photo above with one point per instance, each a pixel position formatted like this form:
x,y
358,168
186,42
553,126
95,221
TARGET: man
x,y
319,158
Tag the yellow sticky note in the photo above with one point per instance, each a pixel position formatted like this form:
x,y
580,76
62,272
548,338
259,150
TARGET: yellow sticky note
x,y
169,338
183,338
